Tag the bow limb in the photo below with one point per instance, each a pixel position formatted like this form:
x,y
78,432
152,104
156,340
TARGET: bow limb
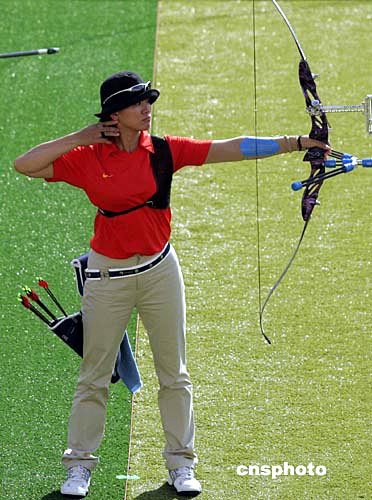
x,y
315,156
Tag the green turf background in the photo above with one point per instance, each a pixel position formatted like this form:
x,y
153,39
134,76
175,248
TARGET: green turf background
x,y
43,227
307,398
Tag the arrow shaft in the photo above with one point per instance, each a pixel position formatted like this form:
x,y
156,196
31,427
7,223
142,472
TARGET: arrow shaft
x,y
29,53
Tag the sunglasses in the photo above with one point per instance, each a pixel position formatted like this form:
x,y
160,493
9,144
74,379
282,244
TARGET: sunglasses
x,y
139,87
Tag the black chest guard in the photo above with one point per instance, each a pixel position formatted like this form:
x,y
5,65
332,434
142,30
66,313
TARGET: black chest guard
x,y
162,167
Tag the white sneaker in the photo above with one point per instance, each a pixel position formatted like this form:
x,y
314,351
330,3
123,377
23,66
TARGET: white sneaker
x,y
77,482
184,481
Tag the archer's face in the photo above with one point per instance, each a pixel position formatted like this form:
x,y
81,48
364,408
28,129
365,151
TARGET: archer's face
x,y
136,117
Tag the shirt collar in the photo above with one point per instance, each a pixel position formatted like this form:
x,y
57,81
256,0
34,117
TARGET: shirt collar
x,y
145,142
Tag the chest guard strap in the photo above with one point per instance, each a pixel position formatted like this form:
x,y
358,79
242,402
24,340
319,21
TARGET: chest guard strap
x,y
162,168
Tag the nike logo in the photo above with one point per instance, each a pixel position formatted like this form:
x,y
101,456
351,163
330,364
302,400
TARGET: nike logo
x,y
106,176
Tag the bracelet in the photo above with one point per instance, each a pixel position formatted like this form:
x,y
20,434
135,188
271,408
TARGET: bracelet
x,y
299,143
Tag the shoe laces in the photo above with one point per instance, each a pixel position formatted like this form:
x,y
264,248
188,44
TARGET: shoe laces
x,y
78,472
184,472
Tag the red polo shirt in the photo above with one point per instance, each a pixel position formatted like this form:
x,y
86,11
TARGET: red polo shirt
x,y
116,180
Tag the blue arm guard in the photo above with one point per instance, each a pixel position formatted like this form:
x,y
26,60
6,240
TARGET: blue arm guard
x,y
252,147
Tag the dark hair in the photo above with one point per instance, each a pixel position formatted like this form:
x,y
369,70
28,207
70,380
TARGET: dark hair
x,y
105,118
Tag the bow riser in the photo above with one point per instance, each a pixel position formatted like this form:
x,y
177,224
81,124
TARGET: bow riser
x,y
319,131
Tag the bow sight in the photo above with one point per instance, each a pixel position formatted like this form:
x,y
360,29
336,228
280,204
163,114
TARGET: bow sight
x,y
317,108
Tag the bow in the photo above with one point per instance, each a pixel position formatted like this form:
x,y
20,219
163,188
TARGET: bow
x,y
316,156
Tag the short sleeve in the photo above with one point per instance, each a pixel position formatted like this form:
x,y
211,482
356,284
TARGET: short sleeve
x,y
72,166
186,151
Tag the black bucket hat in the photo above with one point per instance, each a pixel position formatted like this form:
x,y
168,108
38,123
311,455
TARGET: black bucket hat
x,y
123,89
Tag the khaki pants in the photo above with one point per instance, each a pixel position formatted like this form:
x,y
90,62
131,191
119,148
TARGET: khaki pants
x,y
159,297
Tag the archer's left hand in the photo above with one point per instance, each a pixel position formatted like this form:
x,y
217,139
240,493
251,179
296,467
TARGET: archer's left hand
x,y
306,143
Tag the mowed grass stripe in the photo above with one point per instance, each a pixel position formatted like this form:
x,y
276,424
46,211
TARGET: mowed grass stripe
x,y
306,398
45,226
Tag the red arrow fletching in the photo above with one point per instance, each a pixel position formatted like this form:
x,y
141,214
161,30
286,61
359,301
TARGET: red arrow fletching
x,y
43,283
25,301
33,295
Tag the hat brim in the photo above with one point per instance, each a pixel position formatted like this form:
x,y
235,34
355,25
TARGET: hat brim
x,y
124,101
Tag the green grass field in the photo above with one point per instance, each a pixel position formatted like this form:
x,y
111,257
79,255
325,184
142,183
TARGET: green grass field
x,y
44,227
305,399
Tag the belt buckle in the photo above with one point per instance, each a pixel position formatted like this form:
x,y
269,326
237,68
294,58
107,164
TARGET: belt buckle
x,y
105,274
